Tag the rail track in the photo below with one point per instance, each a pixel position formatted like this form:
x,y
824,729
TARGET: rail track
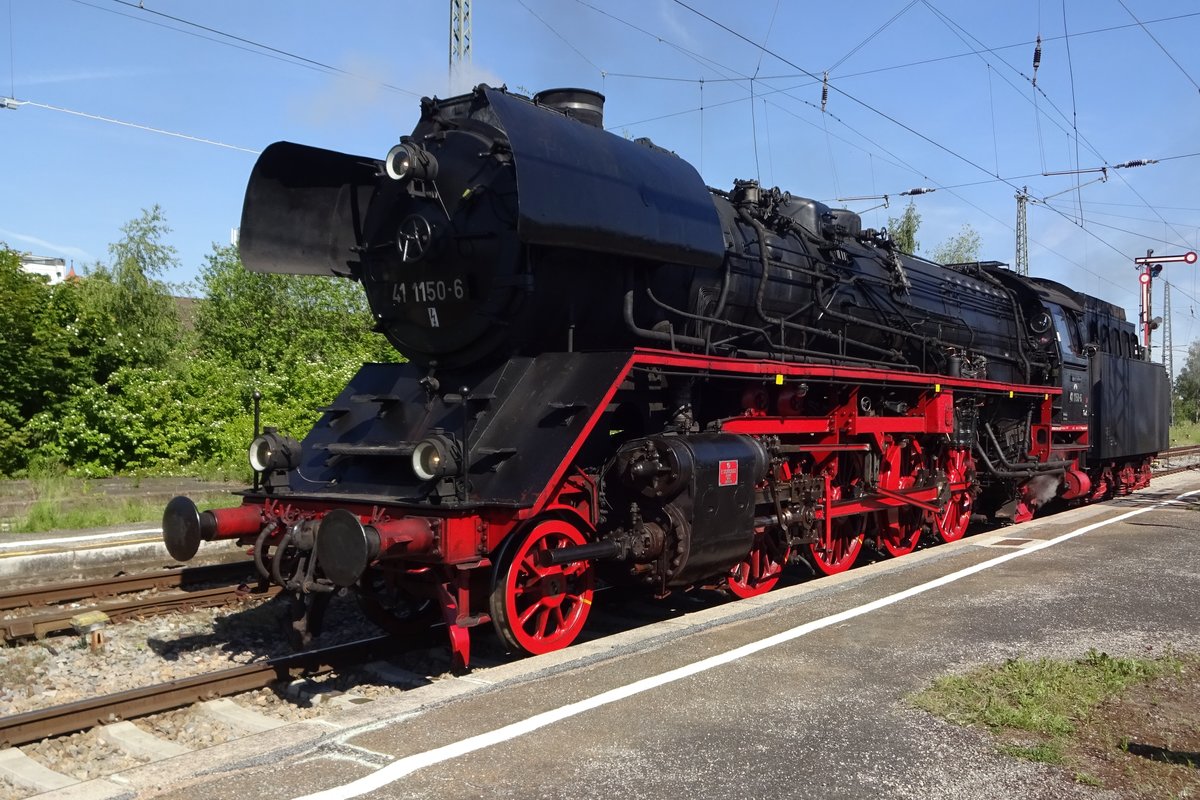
x,y
52,607
1188,454
32,726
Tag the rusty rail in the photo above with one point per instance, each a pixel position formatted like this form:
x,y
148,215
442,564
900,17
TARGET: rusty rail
x,y
39,626
71,591
33,726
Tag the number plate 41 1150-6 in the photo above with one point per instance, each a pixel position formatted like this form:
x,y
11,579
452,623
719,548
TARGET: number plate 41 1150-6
x,y
429,291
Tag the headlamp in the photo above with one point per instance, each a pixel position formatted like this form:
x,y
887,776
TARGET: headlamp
x,y
271,451
435,457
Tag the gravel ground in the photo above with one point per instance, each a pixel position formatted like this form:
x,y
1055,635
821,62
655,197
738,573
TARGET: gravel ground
x,y
64,669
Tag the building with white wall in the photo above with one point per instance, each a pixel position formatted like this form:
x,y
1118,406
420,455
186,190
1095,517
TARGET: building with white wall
x,y
53,269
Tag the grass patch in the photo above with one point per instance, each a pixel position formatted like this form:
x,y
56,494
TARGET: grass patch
x,y
1050,752
1131,725
99,511
1041,696
1185,433
62,502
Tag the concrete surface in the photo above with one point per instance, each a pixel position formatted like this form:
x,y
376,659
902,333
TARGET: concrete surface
x,y
26,558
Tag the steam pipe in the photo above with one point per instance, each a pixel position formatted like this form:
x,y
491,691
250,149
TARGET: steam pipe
x,y
1034,465
999,473
818,357
783,323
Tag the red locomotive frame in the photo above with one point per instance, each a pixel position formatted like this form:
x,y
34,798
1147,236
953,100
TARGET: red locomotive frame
x,y
489,564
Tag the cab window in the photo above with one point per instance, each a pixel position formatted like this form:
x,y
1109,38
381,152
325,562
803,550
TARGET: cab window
x,y
1067,334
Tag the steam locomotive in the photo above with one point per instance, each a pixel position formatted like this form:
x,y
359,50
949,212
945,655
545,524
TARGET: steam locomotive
x,y
615,372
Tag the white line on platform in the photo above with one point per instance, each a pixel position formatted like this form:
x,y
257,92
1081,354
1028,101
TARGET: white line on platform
x,y
410,764
91,537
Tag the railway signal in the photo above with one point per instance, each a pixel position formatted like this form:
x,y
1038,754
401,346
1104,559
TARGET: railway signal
x,y
1151,266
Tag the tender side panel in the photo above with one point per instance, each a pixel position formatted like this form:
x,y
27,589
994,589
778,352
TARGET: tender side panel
x,y
1131,403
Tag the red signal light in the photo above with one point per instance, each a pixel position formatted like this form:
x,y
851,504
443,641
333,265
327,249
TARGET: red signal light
x,y
1144,278
1190,257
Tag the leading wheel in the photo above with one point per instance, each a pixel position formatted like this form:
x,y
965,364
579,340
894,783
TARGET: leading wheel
x,y
539,608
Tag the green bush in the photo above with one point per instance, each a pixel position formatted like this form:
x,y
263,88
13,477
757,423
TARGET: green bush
x,y
101,379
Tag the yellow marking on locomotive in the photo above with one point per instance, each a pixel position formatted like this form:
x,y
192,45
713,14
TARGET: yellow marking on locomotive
x,y
778,379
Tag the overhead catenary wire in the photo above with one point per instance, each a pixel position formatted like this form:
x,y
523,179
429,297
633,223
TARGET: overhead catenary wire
x,y
138,126
867,40
1154,38
560,37
238,42
874,71
1040,91
1074,106
929,140
753,113
1096,213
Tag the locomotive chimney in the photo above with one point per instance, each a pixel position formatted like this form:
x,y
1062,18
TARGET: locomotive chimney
x,y
581,104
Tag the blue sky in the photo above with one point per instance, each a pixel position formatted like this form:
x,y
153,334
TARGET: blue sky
x,y
928,93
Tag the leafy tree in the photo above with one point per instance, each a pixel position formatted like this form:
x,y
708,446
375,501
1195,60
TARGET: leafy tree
x,y
961,248
903,230
265,322
126,308
1186,399
296,339
38,352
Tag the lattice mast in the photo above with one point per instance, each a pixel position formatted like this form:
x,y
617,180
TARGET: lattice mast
x,y
1167,358
1022,259
460,35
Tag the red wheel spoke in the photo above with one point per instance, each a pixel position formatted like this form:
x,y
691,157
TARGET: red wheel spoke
x,y
525,615
530,565
576,569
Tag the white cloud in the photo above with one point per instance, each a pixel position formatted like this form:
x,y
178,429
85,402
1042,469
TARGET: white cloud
x,y
79,75
41,244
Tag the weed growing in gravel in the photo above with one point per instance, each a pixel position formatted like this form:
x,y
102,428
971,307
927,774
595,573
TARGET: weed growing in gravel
x,y
1127,724
1041,696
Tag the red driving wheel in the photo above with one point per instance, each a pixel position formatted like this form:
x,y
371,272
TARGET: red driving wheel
x,y
952,521
762,567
